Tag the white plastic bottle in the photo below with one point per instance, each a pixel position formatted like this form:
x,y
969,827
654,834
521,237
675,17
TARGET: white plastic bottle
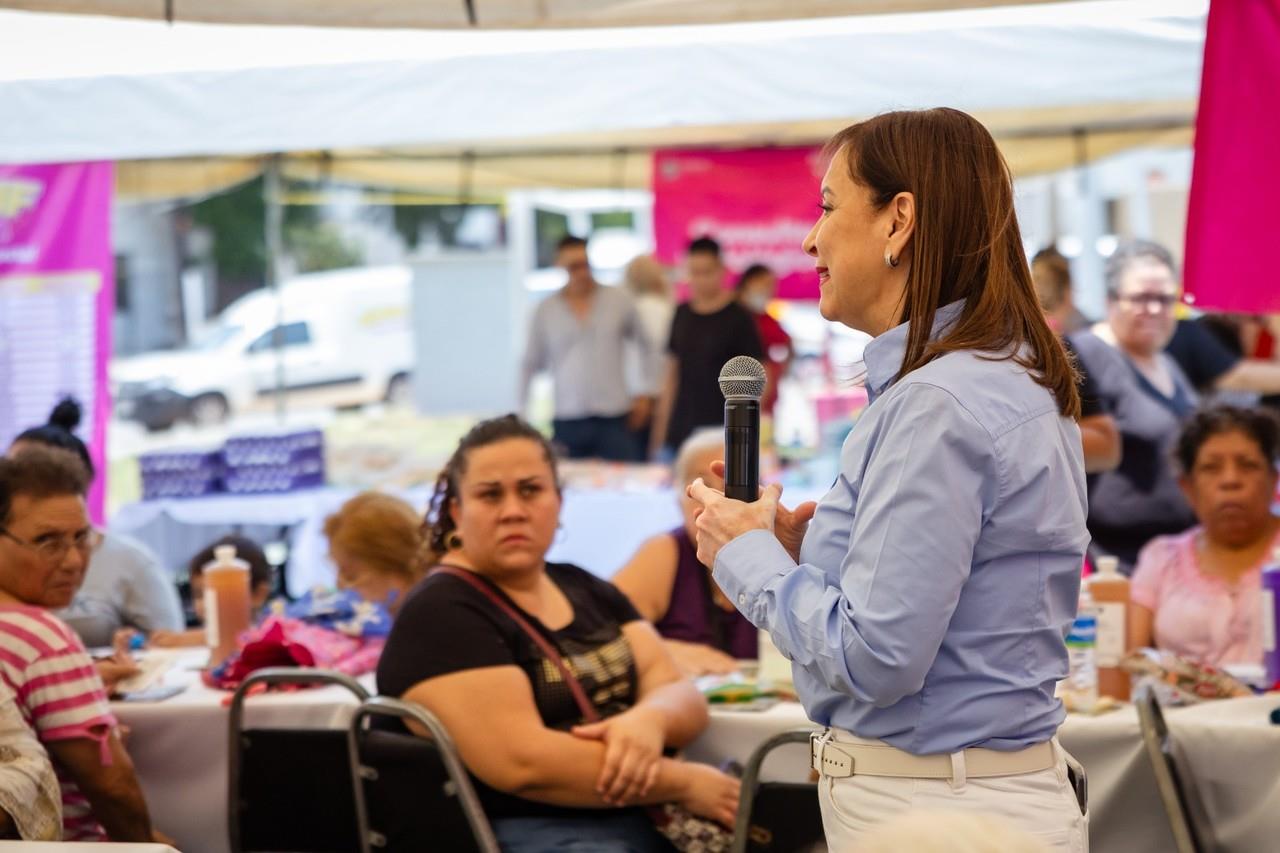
x,y
1082,675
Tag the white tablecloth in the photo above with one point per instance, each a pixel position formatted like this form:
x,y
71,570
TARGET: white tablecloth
x,y
1233,750
179,747
600,529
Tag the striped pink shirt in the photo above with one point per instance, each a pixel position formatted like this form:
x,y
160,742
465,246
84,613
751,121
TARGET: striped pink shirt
x,y
60,696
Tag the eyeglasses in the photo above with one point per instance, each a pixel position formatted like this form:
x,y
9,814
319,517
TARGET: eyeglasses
x,y
54,548
1161,301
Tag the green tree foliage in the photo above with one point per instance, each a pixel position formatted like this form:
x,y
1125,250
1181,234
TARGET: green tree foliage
x,y
319,246
237,221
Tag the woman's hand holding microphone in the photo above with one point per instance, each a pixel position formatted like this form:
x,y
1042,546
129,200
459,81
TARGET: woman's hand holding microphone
x,y
720,520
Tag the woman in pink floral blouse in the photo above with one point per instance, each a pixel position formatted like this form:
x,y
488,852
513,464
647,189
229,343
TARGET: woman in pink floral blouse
x,y
1197,594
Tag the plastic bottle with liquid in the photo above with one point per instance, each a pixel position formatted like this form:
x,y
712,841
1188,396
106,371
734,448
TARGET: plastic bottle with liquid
x,y
1271,617
1082,673
1109,591
226,602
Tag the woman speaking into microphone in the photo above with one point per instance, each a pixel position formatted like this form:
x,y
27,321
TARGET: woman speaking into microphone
x,y
925,599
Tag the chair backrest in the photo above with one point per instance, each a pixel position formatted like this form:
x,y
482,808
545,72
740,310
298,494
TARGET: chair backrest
x,y
412,791
276,774
777,817
1191,830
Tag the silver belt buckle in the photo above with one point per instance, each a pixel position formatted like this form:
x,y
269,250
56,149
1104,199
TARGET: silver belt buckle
x,y
827,759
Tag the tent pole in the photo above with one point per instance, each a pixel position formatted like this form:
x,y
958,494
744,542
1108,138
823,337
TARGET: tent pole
x,y
1089,269
274,242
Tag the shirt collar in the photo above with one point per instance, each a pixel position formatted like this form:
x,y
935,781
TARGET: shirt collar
x,y
884,355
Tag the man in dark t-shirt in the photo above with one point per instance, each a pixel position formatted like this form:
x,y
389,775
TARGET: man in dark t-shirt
x,y
707,331
1202,354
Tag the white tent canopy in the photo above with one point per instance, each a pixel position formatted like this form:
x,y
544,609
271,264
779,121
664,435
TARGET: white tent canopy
x,y
79,88
444,14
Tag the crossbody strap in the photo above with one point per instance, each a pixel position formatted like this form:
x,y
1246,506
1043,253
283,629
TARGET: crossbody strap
x,y
589,712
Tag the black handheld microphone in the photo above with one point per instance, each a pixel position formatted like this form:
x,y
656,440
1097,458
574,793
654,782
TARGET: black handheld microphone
x,y
742,383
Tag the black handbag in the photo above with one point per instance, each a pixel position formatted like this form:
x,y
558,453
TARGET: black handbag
x,y
785,818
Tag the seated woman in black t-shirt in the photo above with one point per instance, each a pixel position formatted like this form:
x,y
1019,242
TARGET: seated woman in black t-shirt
x,y
543,776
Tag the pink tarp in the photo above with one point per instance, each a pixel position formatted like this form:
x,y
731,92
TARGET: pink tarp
x,y
757,202
1233,221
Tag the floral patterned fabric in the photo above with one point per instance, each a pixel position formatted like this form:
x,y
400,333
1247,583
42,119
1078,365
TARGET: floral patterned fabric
x,y
325,629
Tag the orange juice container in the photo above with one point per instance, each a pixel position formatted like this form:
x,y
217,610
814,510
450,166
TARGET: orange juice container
x,y
226,602
1110,592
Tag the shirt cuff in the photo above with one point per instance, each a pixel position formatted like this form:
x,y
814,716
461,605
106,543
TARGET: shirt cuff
x,y
747,564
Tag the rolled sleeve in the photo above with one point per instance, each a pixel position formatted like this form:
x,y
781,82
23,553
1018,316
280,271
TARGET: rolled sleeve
x,y
535,352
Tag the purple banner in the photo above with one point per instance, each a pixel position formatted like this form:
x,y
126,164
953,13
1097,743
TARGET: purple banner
x,y
57,295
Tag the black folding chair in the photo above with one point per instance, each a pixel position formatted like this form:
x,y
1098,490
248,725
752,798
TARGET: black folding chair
x,y
290,789
777,817
1188,819
412,793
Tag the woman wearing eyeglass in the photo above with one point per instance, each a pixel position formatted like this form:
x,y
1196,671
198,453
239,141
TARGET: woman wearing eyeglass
x,y
1148,395
46,541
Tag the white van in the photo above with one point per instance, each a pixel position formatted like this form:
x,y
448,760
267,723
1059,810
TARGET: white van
x,y
345,336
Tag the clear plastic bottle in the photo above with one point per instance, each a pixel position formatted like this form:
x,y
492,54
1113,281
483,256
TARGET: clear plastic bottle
x,y
1082,674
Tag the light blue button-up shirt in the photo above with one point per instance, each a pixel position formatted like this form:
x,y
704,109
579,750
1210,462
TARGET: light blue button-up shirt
x,y
940,575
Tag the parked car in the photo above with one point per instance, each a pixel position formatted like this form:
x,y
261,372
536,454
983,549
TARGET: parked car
x,y
344,337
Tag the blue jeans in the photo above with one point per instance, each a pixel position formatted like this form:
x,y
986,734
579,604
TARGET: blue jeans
x,y
596,438
629,832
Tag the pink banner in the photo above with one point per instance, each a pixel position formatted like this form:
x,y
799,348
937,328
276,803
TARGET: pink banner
x,y
57,295
1233,219
758,203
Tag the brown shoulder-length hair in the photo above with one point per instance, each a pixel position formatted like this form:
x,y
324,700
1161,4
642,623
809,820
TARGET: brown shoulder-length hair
x,y
966,246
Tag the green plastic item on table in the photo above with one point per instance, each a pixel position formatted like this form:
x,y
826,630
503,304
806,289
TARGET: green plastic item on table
x,y
734,693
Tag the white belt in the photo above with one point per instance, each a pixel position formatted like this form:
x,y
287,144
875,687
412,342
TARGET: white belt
x,y
833,754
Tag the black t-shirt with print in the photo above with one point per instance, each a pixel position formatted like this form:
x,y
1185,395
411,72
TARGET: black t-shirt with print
x,y
446,626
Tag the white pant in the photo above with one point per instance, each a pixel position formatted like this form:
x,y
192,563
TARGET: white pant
x,y
1042,805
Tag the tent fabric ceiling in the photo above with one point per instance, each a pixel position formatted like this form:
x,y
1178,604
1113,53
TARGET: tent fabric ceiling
x,y
153,180
486,176
613,86
557,108
491,14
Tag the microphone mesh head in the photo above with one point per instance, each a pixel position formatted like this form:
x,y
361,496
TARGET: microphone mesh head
x,y
742,376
